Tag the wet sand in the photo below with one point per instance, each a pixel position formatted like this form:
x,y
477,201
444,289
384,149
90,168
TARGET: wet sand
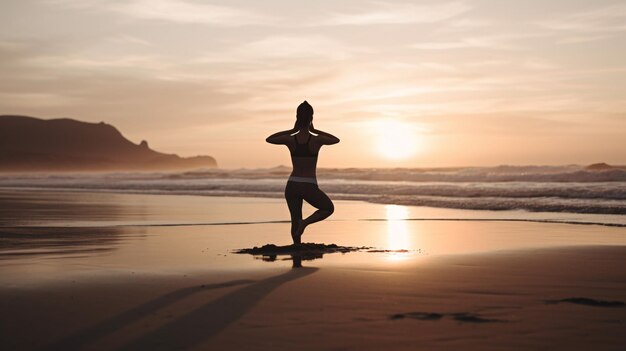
x,y
459,285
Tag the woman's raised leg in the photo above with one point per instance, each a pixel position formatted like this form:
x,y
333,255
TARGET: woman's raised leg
x,y
318,199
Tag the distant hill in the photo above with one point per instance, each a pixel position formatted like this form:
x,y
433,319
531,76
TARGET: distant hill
x,y
33,144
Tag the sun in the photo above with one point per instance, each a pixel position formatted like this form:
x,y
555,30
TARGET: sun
x,y
395,140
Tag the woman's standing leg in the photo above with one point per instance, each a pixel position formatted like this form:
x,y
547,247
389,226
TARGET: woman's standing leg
x,y
318,199
294,202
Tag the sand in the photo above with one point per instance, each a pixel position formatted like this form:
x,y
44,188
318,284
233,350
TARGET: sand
x,y
459,285
567,298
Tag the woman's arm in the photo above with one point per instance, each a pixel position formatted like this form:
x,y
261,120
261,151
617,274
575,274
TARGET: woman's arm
x,y
281,137
325,138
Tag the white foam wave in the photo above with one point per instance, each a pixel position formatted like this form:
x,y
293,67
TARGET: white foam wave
x,y
533,188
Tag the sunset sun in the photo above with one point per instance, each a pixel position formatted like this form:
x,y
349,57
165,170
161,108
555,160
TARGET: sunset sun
x,y
395,140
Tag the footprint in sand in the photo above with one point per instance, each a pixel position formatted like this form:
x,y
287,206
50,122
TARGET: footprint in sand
x,y
463,317
587,302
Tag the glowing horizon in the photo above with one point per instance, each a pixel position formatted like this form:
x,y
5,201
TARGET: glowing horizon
x,y
402,83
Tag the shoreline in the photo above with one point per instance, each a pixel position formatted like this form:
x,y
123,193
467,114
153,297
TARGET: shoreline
x,y
480,196
621,219
616,225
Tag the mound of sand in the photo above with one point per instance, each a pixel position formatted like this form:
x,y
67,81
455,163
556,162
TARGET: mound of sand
x,y
304,251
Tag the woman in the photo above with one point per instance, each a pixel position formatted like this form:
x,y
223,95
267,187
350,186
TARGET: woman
x,y
304,143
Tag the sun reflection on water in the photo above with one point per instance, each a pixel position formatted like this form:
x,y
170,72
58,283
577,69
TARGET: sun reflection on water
x,y
398,236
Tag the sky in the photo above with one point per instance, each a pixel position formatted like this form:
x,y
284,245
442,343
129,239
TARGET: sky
x,y
401,83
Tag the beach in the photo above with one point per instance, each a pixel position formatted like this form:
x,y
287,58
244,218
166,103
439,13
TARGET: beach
x,y
324,175
103,270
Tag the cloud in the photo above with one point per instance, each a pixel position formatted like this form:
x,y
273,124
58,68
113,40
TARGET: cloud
x,y
7,46
502,42
609,18
128,39
583,38
285,48
591,25
395,13
465,43
468,23
178,11
76,64
21,100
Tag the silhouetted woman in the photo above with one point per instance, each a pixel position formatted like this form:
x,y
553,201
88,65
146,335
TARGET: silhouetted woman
x,y
304,143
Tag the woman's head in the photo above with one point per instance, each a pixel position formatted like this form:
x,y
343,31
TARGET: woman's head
x,y
304,115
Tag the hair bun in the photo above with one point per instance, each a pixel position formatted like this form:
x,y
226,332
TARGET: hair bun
x,y
305,109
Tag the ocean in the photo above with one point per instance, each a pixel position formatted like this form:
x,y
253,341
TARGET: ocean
x,y
560,189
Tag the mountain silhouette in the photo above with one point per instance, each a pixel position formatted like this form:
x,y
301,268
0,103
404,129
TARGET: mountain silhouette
x,y
33,144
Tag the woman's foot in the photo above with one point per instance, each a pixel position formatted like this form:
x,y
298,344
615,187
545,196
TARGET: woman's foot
x,y
295,231
297,237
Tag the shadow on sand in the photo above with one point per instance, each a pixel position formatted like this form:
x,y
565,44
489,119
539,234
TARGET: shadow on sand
x,y
191,329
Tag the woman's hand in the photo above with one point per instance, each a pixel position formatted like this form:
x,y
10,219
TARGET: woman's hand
x,y
325,138
281,137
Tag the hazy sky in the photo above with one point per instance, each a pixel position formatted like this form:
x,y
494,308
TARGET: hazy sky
x,y
434,83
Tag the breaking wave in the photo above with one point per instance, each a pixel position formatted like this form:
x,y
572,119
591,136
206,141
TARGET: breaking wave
x,y
572,189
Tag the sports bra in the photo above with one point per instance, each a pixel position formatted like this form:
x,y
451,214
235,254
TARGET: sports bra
x,y
302,150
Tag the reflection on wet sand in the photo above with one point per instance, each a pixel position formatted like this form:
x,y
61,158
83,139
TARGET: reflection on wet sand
x,y
60,208
27,208
135,233
398,242
398,234
57,242
39,223
397,230
296,259
397,246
